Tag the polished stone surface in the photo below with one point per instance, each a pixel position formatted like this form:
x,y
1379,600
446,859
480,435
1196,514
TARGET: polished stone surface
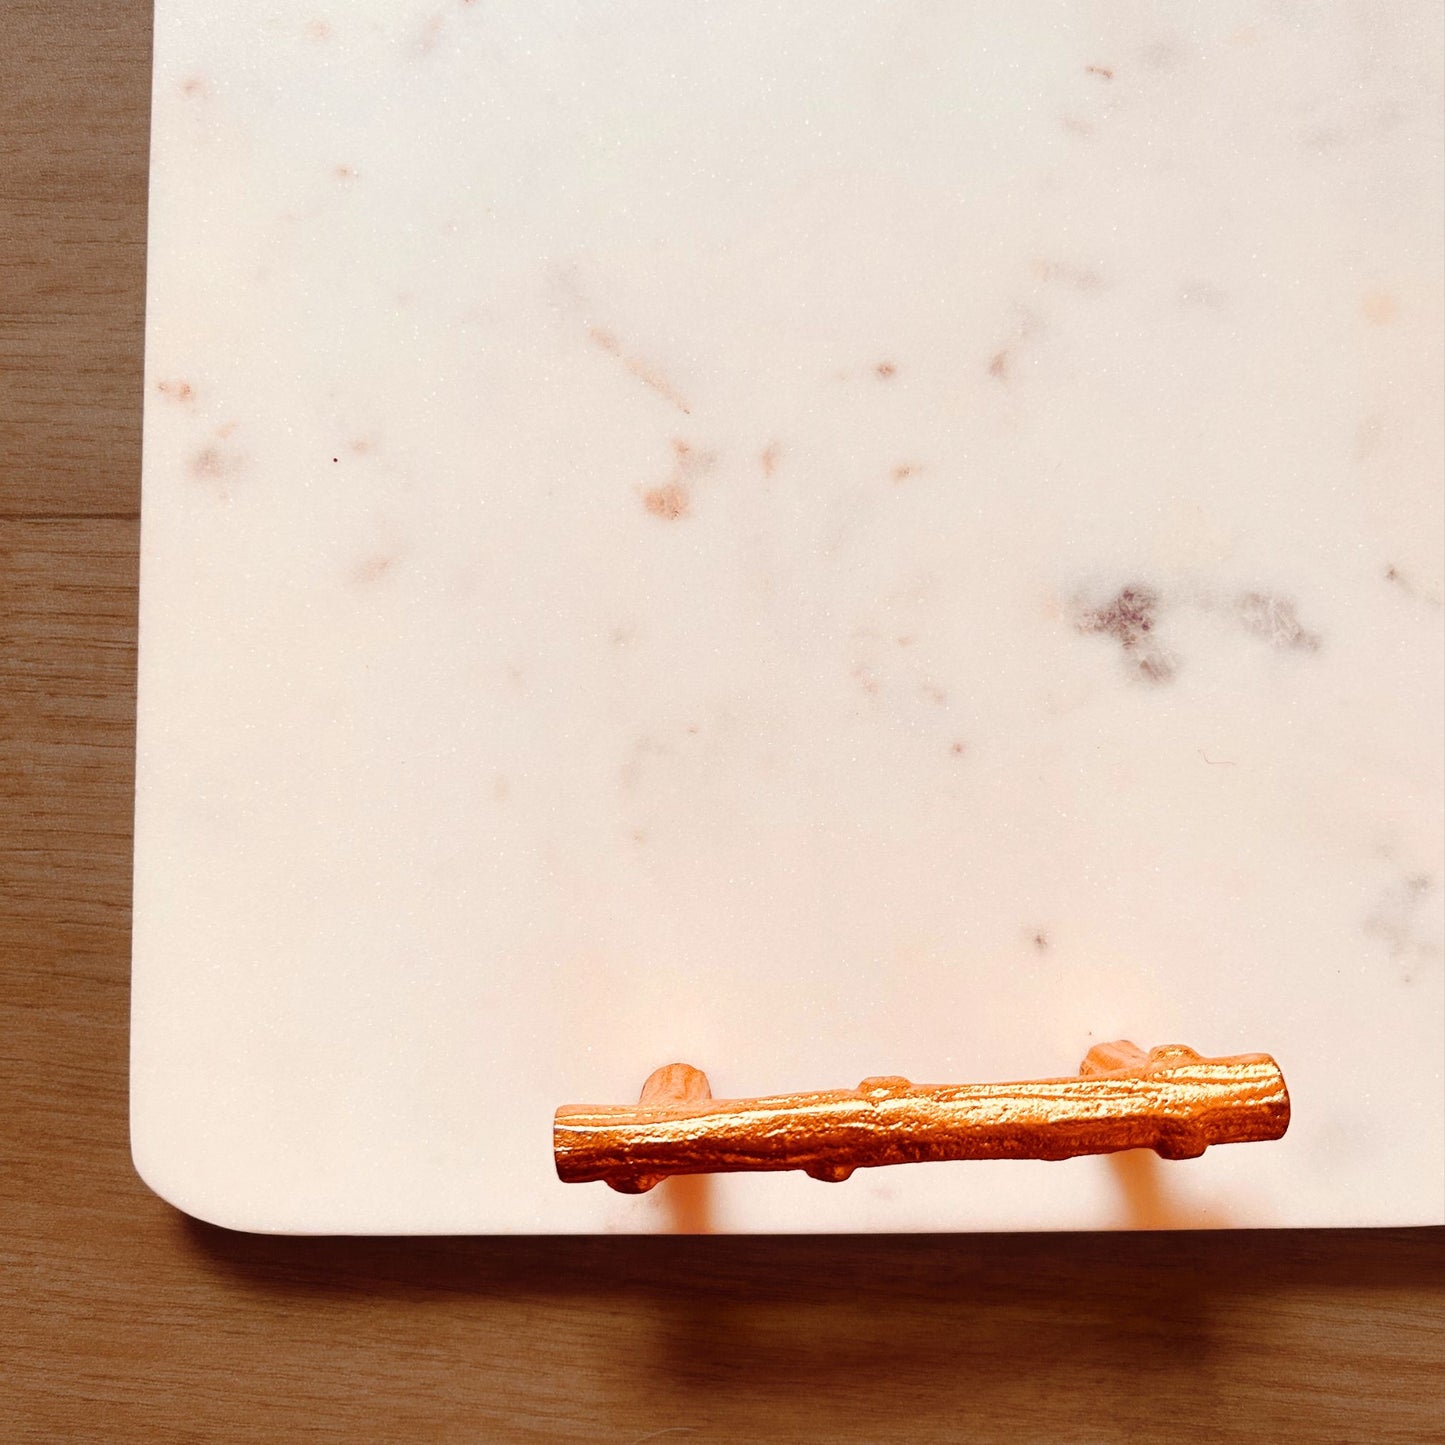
x,y
814,540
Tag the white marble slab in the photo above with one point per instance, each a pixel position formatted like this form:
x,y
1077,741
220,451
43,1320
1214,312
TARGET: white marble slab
x,y
813,539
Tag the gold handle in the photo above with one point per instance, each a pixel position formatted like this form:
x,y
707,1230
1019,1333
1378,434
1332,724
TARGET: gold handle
x,y
1170,1100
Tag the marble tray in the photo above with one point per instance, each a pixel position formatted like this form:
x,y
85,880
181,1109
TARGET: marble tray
x,y
812,539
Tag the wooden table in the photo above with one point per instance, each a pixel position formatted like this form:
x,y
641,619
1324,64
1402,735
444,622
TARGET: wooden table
x,y
122,1320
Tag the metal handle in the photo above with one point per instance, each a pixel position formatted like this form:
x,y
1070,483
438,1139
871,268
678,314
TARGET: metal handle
x,y
1170,1100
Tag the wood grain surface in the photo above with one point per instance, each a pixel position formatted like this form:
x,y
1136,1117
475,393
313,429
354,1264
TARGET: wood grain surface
x,y
121,1320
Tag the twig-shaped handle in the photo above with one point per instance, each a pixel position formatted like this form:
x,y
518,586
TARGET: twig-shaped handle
x,y
1170,1100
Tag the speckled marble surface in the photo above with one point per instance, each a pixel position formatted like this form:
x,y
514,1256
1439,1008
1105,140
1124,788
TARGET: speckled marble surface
x,y
817,540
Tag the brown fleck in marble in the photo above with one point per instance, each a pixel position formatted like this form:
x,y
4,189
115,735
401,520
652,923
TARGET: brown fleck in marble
x,y
345,173
319,30
605,341
1379,308
670,501
907,639
212,464
195,86
1275,620
904,470
1102,71
885,371
998,366
768,458
1041,941
957,749
933,693
181,391
867,680
373,568
1406,584
1129,618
